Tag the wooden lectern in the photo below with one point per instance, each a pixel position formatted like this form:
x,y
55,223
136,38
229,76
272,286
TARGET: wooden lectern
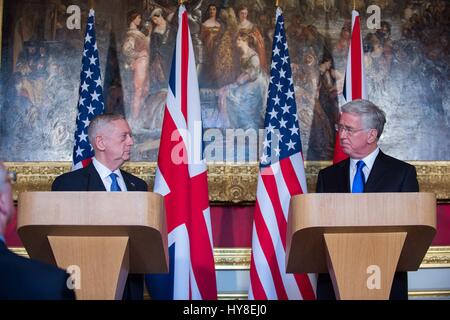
x,y
101,236
360,239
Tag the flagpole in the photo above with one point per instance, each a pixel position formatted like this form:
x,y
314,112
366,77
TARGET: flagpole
x,y
354,4
192,275
277,3
277,284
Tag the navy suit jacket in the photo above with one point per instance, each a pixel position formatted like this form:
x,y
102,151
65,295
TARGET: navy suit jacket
x,y
88,179
387,175
26,279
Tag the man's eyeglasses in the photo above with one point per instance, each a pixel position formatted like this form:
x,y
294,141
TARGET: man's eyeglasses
x,y
350,131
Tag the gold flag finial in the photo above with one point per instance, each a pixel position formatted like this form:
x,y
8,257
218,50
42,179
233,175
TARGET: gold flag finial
x,y
277,3
354,4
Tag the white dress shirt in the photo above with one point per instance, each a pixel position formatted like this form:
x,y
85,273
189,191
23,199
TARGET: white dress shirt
x,y
368,160
104,173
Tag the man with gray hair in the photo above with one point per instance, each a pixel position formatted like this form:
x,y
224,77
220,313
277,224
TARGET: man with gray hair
x,y
21,278
112,140
367,169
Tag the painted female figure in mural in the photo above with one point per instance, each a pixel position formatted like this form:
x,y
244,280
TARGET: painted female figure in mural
x,y
242,102
136,49
406,70
210,33
224,66
340,49
328,93
248,27
377,66
340,54
162,42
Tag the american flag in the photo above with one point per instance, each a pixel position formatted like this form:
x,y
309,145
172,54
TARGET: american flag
x,y
281,176
355,77
90,100
181,177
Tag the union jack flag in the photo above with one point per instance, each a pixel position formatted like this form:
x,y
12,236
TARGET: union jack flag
x,y
355,77
281,176
181,177
90,101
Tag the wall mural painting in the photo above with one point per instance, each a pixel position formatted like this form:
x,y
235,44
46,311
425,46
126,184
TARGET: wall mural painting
x,y
407,61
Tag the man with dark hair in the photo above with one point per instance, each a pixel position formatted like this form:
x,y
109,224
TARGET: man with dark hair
x,y
21,278
367,169
110,136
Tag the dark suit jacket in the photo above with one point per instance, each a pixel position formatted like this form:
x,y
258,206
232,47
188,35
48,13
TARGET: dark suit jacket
x,y
387,175
26,279
88,179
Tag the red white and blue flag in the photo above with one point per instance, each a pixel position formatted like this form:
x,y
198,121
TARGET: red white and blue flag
x,y
90,100
355,76
281,176
181,177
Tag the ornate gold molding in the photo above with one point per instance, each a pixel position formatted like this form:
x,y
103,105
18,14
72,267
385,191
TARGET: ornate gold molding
x,y
437,257
232,258
20,251
228,183
239,258
440,294
232,296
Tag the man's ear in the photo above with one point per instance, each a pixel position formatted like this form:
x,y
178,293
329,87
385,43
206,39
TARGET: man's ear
x,y
373,133
99,143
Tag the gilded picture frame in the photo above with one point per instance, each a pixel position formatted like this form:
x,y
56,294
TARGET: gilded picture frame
x,y
234,183
405,56
229,184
